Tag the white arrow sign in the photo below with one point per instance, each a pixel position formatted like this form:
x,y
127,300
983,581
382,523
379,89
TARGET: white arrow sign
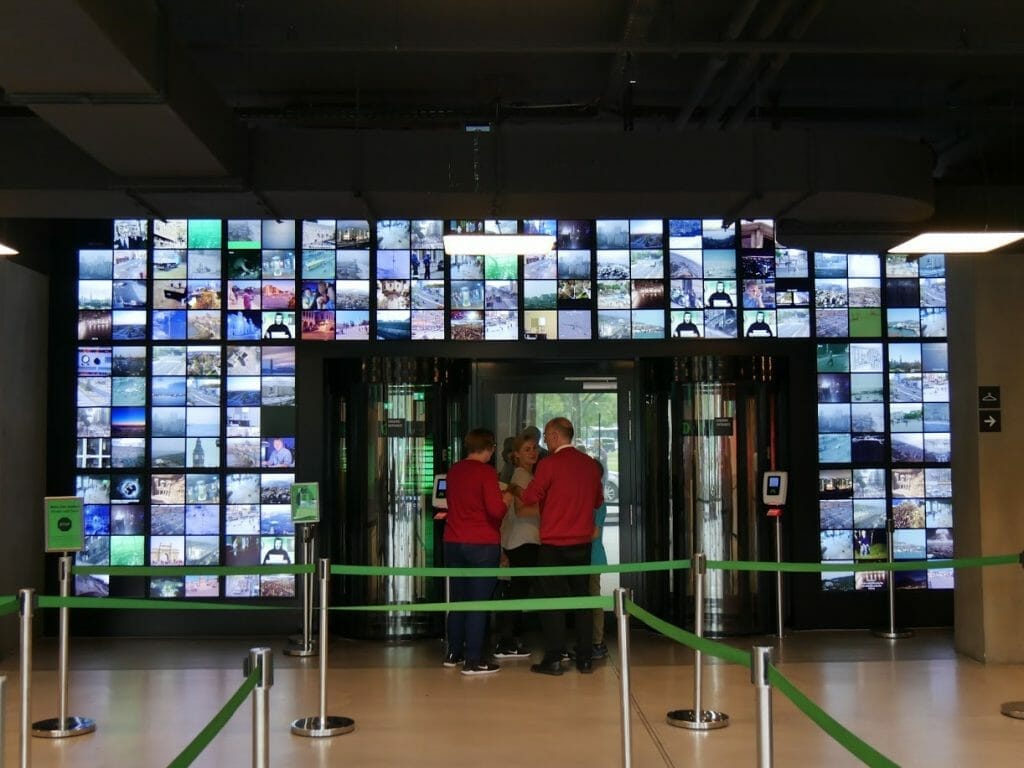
x,y
991,421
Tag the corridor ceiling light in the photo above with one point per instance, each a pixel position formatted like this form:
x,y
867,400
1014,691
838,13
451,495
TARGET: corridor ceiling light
x,y
6,250
957,242
497,245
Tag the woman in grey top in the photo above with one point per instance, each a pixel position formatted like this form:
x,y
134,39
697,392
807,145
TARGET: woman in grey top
x,y
520,541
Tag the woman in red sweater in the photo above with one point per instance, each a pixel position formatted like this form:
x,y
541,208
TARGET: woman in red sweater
x,y
472,539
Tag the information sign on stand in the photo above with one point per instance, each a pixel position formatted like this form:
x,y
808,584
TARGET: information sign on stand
x,y
305,502
63,524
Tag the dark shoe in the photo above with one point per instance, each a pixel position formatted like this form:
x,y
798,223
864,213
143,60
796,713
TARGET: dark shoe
x,y
585,666
599,651
480,668
510,651
567,655
453,659
548,667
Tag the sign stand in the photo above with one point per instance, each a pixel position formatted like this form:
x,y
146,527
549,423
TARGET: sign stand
x,y
63,726
305,515
892,633
306,646
63,521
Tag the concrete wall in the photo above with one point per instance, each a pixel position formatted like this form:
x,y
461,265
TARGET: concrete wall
x,y
24,299
987,349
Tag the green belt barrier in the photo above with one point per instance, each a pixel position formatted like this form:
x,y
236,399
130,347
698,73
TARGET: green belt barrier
x,y
572,570
157,604
191,570
202,741
855,746
721,650
8,604
860,749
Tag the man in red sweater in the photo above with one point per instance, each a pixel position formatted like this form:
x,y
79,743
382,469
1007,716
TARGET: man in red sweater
x,y
567,485
472,539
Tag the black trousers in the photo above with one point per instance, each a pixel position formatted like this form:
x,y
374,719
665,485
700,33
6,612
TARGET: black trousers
x,y
554,622
510,623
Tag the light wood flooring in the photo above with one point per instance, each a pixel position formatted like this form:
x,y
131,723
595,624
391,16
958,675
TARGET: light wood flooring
x,y
915,700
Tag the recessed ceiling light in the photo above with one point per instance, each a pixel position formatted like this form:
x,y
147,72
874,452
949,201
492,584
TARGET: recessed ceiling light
x,y
957,242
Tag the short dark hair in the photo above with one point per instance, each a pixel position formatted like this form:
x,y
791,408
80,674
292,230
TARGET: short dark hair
x,y
478,440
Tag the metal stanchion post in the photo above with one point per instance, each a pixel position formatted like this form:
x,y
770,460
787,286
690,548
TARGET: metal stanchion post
x,y
263,658
324,724
3,717
26,606
622,616
698,718
447,600
892,633
761,659
63,726
307,647
779,618
1014,709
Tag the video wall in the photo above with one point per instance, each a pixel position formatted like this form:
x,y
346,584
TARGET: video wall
x,y
187,335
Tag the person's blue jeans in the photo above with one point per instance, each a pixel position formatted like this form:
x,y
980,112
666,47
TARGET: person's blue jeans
x,y
468,629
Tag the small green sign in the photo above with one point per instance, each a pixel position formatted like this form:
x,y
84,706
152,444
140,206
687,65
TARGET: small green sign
x,y
305,502
63,523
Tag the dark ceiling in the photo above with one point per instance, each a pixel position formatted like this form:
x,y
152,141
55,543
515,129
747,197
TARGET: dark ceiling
x,y
834,116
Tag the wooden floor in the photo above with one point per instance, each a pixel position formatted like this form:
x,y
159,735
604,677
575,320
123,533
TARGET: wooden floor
x,y
914,700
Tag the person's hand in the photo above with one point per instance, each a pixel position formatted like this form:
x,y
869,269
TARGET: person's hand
x,y
504,563
507,498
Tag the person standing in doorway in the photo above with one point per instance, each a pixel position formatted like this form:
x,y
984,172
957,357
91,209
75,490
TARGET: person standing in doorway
x,y
567,485
472,539
520,541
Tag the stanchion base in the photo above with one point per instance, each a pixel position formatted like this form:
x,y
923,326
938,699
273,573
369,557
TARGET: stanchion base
x,y
330,726
300,651
53,728
687,718
895,634
1014,709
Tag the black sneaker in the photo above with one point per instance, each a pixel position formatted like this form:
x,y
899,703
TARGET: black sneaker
x,y
510,651
480,668
453,659
567,655
599,651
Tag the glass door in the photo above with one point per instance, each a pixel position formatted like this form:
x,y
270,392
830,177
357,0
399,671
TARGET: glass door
x,y
597,404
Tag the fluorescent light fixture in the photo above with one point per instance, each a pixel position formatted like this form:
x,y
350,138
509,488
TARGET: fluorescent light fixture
x,y
497,245
6,250
957,242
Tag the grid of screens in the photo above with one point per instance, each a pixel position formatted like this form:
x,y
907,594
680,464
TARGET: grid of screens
x,y
186,402
187,331
630,279
883,416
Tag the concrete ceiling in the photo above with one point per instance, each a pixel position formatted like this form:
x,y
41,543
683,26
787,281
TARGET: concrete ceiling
x,y
837,118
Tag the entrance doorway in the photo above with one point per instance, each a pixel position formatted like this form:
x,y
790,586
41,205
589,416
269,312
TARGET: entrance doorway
x,y
595,398
683,441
